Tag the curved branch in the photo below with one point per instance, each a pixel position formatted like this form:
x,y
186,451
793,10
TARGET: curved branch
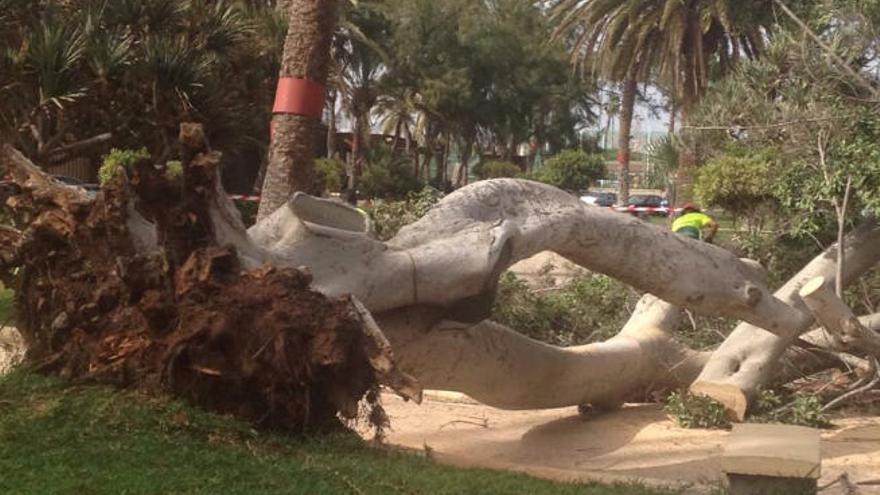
x,y
502,368
458,250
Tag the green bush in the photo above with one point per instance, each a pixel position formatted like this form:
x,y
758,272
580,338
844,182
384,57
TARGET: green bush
x,y
740,181
390,216
699,411
696,411
174,169
119,159
572,170
388,176
795,409
590,309
330,174
495,169
248,210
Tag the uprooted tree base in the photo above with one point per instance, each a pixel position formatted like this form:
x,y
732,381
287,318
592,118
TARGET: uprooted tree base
x,y
100,301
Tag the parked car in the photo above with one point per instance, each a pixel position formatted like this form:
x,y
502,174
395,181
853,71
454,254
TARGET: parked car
x,y
606,199
589,197
599,198
646,201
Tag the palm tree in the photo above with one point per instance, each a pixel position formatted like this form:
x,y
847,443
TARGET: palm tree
x,y
306,57
630,39
361,61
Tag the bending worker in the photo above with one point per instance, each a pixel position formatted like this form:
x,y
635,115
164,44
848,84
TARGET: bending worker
x,y
692,223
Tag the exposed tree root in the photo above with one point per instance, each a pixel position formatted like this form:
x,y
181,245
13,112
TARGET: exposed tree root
x,y
137,288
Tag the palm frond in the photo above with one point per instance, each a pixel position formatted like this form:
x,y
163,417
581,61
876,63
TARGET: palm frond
x,y
53,55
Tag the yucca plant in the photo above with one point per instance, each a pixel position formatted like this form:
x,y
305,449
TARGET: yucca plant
x,y
218,26
53,57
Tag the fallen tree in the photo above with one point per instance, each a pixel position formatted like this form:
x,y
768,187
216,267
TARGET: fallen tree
x,y
158,280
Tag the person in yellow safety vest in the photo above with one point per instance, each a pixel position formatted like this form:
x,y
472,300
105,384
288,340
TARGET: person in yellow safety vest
x,y
692,222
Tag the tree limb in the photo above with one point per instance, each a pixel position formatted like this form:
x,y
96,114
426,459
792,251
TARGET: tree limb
x,y
833,314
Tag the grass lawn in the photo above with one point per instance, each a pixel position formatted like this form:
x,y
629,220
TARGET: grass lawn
x,y
96,440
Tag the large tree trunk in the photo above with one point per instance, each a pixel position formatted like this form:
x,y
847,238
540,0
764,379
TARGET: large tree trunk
x,y
630,90
306,56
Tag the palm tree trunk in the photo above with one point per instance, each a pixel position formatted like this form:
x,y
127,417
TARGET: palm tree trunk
x,y
628,103
442,172
331,127
306,56
687,158
673,108
466,159
396,142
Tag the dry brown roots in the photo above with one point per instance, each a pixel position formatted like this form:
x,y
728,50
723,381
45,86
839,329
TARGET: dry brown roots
x,y
179,312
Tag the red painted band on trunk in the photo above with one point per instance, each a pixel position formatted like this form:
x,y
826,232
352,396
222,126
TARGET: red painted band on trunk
x,y
300,97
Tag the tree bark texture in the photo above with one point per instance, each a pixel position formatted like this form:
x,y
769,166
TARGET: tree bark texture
x,y
502,368
292,151
627,111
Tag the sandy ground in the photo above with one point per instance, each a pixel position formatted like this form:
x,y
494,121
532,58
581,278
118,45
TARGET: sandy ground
x,y
638,442
547,269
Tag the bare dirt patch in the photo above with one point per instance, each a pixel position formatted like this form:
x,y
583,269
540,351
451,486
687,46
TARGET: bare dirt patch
x,y
638,442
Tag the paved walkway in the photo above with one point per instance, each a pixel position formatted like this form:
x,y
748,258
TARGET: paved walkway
x,y
637,442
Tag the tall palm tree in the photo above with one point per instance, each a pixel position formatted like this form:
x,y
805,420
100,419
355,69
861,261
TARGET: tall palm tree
x,y
630,39
361,61
306,56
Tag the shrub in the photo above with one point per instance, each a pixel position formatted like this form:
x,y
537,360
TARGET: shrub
x,y
390,216
590,309
388,176
248,210
174,169
699,411
740,181
696,411
119,159
571,170
494,169
795,409
330,174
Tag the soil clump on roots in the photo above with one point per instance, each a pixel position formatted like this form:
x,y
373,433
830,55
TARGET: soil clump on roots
x,y
138,288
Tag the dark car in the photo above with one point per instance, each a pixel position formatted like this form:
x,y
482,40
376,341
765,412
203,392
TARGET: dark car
x,y
646,201
606,199
599,198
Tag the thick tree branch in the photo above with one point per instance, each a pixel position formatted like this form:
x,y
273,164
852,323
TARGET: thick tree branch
x,y
833,314
502,368
749,356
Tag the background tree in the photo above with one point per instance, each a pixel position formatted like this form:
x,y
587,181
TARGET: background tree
x,y
306,56
79,77
688,42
